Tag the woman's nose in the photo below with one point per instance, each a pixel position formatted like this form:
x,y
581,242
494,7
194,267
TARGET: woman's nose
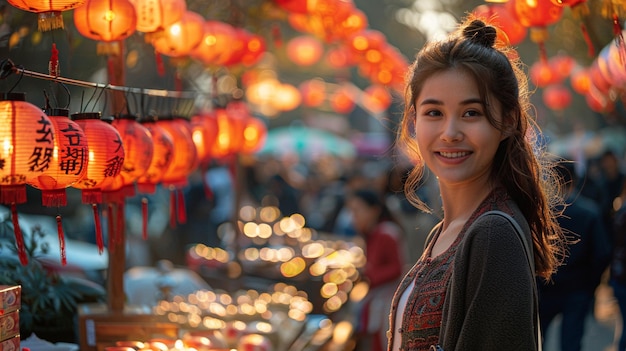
x,y
451,130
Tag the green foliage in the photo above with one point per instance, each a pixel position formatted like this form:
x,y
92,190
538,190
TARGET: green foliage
x,y
47,297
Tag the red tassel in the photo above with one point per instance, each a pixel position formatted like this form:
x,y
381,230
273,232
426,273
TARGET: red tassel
x,y
61,240
144,218
159,64
182,211
96,218
277,36
53,64
590,49
19,238
208,192
13,194
54,198
172,209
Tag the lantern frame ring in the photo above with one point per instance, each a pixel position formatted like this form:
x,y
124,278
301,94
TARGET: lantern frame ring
x,y
66,89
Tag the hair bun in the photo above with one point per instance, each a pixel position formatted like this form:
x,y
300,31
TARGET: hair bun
x,y
478,32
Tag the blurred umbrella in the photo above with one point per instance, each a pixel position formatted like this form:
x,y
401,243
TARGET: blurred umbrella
x,y
145,286
307,143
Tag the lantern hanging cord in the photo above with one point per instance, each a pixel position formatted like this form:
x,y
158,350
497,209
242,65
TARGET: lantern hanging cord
x,y
7,67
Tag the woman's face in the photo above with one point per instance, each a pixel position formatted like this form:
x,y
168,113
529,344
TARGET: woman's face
x,y
454,136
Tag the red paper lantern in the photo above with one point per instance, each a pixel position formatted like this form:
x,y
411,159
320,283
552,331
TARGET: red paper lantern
x,y
68,162
49,12
542,74
254,135
304,50
295,6
156,15
557,97
216,44
536,13
138,147
181,37
26,153
229,132
106,21
162,156
184,161
580,81
342,101
104,163
510,30
204,132
254,49
376,98
313,92
185,157
68,166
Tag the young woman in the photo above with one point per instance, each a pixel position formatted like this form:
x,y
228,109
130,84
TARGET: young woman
x,y
466,118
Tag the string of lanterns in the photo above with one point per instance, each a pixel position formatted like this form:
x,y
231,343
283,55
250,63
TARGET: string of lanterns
x,y
599,83
111,158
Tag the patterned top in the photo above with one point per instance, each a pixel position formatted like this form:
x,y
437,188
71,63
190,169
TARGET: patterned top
x,y
425,303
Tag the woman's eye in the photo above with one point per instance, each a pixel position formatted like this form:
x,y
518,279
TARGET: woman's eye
x,y
433,113
472,113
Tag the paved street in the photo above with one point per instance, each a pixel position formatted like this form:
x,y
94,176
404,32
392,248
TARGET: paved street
x,y
601,330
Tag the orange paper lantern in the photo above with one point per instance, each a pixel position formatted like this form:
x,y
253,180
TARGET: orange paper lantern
x,y
162,156
49,12
184,161
156,15
304,50
254,135
68,163
105,161
510,30
107,21
557,97
216,44
138,147
28,144
204,132
181,37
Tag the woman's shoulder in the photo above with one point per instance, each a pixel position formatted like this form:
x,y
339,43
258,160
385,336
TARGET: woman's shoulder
x,y
494,227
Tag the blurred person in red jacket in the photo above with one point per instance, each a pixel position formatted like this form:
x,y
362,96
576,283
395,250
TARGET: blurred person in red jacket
x,y
385,264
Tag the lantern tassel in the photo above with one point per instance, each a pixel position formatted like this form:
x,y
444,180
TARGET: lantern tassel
x,y
96,218
172,209
144,218
19,238
53,63
54,198
159,64
61,234
591,52
13,194
47,21
180,205
208,192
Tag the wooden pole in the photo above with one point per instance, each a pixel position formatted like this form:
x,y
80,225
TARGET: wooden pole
x,y
117,240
